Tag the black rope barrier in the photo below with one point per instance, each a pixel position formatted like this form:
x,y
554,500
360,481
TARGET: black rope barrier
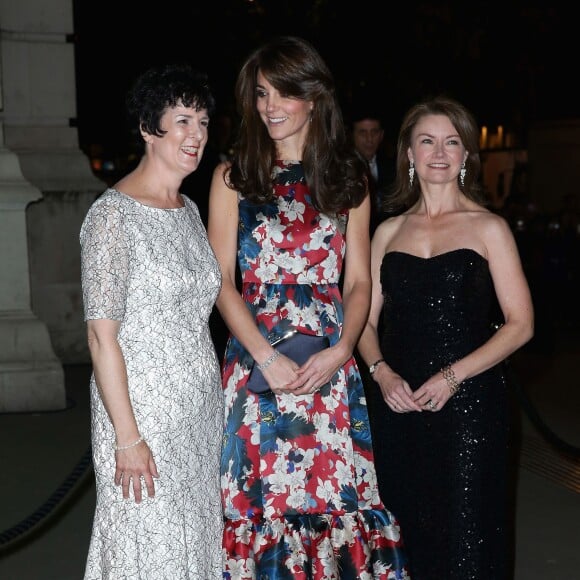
x,y
65,492
531,411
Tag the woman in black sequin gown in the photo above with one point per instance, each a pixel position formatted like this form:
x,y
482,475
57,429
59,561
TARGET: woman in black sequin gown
x,y
439,270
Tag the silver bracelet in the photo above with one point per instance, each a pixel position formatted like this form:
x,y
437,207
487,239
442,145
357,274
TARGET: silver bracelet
x,y
268,361
123,447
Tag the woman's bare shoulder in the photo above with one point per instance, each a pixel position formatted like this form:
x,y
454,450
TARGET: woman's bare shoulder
x,y
387,230
391,224
488,222
221,174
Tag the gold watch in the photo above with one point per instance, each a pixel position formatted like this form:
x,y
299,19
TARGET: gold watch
x,y
374,366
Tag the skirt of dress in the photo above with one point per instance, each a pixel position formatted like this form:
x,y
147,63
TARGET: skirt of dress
x,y
299,486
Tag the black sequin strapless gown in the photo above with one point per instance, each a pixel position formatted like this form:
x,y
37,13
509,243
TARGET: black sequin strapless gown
x,y
444,474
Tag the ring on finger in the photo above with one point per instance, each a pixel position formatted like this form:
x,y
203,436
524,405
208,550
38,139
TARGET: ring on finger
x,y
431,404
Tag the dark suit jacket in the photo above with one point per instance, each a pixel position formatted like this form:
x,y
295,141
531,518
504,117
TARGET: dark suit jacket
x,y
380,188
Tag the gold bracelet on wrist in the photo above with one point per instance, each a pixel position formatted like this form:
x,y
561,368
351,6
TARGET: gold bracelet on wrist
x,y
451,379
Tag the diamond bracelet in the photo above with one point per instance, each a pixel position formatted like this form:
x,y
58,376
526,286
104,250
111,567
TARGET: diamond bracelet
x,y
268,361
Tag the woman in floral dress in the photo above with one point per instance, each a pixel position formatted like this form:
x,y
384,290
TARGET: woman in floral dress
x,y
298,481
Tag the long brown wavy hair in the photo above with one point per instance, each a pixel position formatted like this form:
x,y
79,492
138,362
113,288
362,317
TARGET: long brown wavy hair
x,y
334,173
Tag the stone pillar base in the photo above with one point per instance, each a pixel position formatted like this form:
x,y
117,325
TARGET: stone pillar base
x,y
31,377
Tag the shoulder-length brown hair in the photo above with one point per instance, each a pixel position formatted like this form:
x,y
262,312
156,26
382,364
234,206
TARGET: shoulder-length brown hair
x,y
404,195
334,174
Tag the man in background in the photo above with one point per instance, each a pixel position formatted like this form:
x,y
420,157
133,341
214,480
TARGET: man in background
x,y
368,139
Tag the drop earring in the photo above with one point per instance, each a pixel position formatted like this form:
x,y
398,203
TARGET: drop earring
x,y
462,173
411,173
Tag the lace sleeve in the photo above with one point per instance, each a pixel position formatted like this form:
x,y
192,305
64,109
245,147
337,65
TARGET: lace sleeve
x,y
104,262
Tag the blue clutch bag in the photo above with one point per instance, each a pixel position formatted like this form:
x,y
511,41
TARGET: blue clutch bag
x,y
295,345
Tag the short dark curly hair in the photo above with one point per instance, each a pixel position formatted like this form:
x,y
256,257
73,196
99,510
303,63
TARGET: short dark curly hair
x,y
166,86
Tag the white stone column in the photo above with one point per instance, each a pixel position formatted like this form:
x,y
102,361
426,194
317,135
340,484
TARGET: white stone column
x,y
39,160
31,377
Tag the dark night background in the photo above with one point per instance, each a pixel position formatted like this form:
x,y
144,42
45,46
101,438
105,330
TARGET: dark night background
x,y
508,61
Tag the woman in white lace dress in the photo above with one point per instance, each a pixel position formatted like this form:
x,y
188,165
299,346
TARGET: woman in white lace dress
x,y
149,281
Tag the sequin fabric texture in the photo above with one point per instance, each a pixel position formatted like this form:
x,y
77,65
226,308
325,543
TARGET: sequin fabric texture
x,y
298,480
153,270
444,473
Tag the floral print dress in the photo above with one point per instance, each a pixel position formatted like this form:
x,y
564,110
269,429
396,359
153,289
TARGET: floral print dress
x,y
298,481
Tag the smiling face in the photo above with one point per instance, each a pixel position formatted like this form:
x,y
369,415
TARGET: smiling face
x,y
436,149
181,147
286,118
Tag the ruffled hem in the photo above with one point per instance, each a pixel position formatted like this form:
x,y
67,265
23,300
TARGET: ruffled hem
x,y
366,545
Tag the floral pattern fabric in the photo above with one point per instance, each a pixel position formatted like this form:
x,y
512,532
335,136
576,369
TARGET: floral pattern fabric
x,y
298,481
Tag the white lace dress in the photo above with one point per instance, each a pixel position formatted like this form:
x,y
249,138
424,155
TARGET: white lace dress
x,y
153,270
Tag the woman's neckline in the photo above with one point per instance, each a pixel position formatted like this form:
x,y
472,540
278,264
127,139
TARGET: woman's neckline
x,y
136,201
435,256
